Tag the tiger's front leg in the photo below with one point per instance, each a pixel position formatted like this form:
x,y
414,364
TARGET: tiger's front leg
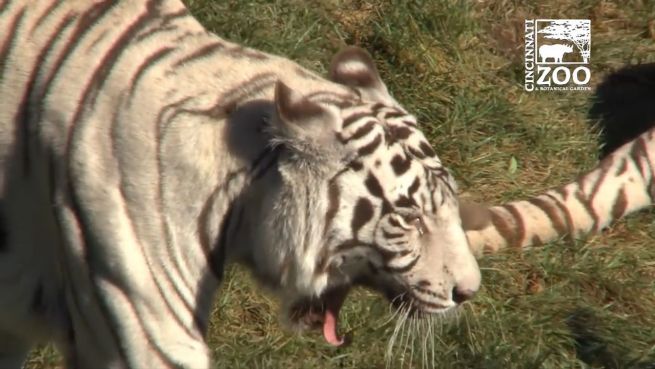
x,y
127,310
117,327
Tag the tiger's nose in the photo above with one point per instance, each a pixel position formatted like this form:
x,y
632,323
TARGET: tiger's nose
x,y
462,294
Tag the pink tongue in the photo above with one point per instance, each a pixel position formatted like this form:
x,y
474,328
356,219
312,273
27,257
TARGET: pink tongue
x,y
333,302
330,327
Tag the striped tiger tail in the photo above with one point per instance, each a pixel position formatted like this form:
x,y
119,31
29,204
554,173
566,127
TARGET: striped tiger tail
x,y
620,184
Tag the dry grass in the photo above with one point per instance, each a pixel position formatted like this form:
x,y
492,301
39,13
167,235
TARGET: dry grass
x,y
458,65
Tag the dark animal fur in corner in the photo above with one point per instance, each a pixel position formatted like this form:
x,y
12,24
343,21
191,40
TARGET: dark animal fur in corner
x,y
624,105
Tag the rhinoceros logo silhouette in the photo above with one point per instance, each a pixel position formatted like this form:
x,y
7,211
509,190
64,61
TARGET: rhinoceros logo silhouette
x,y
574,32
555,52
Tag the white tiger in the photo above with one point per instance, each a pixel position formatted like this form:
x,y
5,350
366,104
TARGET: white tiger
x,y
140,153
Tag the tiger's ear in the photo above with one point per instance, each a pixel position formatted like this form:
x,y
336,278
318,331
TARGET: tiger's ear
x,y
301,125
354,67
474,216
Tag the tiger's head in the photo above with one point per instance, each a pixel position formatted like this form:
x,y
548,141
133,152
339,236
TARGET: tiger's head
x,y
359,198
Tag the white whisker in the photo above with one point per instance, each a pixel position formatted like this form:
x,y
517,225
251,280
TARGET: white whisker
x,y
425,336
432,338
402,317
412,332
405,338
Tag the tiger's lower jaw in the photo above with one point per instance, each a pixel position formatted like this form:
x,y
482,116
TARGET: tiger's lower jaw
x,y
323,313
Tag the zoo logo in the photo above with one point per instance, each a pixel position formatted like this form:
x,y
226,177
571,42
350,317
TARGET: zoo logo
x,y
560,50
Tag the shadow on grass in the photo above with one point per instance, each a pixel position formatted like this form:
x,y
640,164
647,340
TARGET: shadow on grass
x,y
593,349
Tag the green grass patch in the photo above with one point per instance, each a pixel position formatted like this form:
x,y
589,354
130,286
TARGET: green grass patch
x,y
458,66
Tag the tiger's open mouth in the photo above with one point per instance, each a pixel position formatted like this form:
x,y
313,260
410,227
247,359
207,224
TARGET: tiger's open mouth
x,y
322,312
